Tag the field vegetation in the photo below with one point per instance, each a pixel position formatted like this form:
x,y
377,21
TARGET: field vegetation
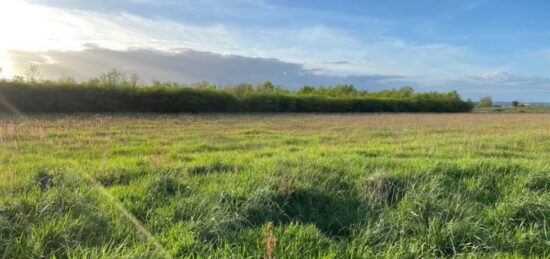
x,y
116,92
274,186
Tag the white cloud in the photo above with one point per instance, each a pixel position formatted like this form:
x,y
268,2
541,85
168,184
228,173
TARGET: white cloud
x,y
68,29
66,41
505,78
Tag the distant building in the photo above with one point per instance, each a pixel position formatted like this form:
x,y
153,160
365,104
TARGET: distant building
x,y
518,104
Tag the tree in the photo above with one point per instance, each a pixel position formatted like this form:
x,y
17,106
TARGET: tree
x,y
112,78
32,75
515,104
306,89
454,96
241,89
406,92
486,101
204,85
343,90
134,80
18,79
265,87
66,80
268,87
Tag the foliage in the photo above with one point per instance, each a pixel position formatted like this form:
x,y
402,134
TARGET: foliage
x,y
115,92
33,74
486,101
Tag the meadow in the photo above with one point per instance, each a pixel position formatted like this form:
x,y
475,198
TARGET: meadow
x,y
274,185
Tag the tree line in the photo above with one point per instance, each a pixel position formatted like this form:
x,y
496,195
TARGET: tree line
x,y
116,92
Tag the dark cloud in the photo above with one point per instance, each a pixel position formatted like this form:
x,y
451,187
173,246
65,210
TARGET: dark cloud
x,y
187,66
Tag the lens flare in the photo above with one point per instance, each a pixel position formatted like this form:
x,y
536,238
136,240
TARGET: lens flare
x,y
129,216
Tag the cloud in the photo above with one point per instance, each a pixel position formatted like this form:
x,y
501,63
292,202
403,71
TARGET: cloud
x,y
501,85
505,78
187,66
314,45
253,41
342,62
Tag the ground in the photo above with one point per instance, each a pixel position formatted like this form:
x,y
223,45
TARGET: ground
x,y
284,186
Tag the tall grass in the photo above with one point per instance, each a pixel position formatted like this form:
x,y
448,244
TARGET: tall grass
x,y
279,186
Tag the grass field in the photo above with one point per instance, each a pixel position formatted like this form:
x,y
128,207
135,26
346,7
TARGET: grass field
x,y
284,186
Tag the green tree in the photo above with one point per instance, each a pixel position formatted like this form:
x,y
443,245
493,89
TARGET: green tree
x,y
343,90
265,87
113,78
306,89
241,89
486,101
134,80
406,92
204,85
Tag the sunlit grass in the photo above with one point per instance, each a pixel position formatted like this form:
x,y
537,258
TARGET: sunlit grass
x,y
282,185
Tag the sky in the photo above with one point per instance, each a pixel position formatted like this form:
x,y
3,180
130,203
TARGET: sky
x,y
498,48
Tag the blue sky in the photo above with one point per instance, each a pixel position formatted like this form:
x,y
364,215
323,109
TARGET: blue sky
x,y
477,47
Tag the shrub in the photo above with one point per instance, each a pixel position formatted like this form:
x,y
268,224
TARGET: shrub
x,y
486,101
110,95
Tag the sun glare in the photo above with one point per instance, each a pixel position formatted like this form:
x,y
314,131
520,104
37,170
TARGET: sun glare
x,y
31,27
21,28
18,23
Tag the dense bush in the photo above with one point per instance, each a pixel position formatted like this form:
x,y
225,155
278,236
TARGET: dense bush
x,y
486,101
37,97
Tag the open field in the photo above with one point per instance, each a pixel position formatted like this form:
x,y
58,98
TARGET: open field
x,y
287,186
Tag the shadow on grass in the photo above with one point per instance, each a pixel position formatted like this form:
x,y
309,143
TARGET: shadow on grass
x,y
333,213
215,167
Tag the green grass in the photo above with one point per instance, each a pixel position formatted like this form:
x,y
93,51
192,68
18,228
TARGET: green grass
x,y
402,185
